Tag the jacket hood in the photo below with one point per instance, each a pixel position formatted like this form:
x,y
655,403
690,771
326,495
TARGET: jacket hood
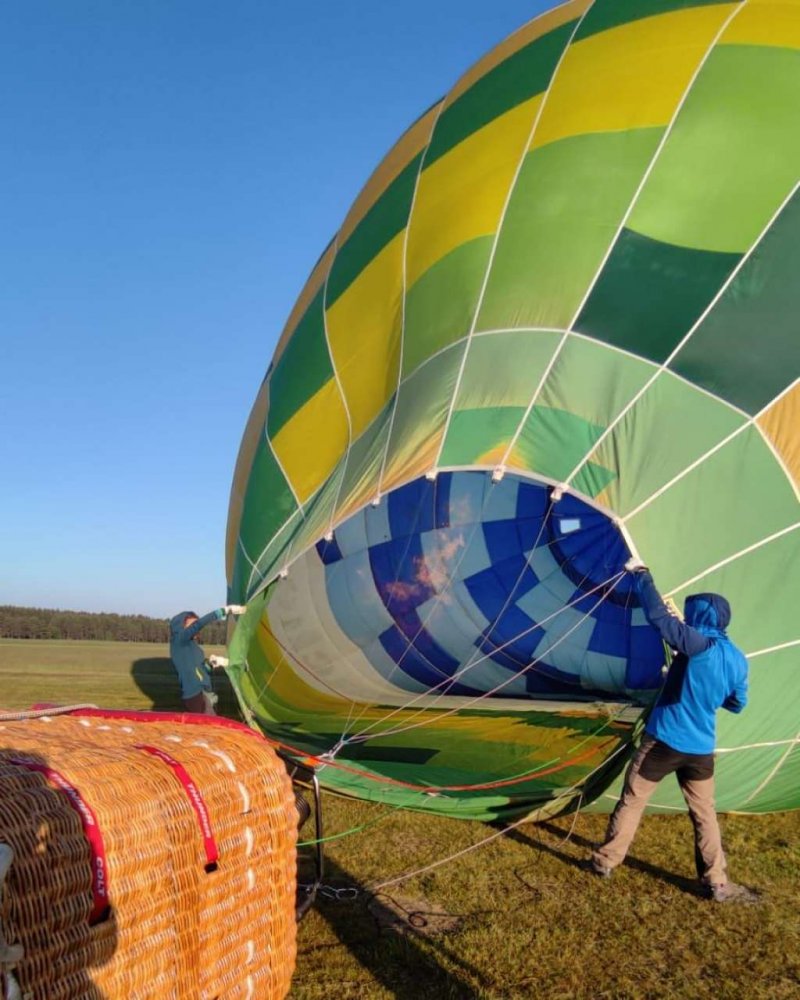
x,y
176,623
708,613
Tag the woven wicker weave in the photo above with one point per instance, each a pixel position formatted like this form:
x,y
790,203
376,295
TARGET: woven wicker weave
x,y
174,929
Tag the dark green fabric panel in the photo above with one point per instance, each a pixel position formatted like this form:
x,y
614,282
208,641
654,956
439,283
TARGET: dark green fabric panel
x,y
605,14
387,217
268,502
650,293
515,80
747,350
303,368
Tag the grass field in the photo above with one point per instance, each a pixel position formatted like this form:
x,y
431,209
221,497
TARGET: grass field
x,y
516,918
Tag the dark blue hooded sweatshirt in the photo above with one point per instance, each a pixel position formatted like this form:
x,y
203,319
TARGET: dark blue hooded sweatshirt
x,y
187,656
708,673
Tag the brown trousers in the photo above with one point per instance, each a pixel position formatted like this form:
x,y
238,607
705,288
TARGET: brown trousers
x,y
199,704
695,773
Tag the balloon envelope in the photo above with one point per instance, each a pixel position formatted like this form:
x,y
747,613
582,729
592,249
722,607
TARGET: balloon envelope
x,y
557,326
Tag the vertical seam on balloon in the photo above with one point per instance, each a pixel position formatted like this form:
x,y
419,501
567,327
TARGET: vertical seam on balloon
x,y
645,177
298,509
403,381
736,555
750,422
286,524
795,742
411,207
307,595
682,343
346,455
244,552
496,239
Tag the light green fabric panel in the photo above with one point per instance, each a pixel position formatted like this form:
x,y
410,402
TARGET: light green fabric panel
x,y
440,305
736,498
567,205
421,412
782,790
731,158
755,584
671,426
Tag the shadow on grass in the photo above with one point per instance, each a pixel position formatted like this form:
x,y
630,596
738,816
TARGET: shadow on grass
x,y
410,968
678,881
156,678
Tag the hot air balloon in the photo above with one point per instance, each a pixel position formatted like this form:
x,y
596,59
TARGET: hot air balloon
x,y
558,327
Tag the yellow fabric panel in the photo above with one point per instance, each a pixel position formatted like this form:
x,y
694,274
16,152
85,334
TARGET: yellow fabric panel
x,y
244,462
411,459
495,455
287,684
313,441
781,424
765,22
315,281
527,33
395,161
632,76
364,334
462,194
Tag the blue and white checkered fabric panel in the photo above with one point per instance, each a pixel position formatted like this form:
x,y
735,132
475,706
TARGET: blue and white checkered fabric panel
x,y
463,570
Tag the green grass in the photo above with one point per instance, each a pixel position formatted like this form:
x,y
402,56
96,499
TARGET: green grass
x,y
528,920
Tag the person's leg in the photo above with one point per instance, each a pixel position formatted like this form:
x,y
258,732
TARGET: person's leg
x,y
624,821
697,784
195,703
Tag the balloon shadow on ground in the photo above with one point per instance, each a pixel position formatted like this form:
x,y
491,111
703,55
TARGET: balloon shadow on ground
x,y
397,961
156,678
687,885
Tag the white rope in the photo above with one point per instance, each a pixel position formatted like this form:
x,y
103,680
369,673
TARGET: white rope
x,y
449,680
498,231
494,836
471,663
42,713
505,683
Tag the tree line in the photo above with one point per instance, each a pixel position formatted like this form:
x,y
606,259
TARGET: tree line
x,y
49,623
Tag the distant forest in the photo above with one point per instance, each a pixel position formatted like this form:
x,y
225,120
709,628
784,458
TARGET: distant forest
x,y
46,623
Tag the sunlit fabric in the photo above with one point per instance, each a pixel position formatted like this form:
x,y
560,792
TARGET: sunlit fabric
x,y
557,326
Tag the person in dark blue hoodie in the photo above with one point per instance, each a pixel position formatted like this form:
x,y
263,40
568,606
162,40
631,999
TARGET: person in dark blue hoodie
x,y
189,659
708,672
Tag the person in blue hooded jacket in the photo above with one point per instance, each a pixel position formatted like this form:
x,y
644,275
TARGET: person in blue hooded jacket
x,y
189,659
708,672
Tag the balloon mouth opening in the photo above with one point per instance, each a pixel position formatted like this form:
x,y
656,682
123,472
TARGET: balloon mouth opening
x,y
464,587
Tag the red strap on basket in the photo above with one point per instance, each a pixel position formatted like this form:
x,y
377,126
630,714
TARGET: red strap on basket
x,y
194,796
91,829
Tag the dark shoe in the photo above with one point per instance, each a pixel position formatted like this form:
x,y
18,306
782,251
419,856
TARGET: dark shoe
x,y
601,871
730,892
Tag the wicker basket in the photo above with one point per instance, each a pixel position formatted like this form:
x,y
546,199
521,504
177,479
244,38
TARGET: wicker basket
x,y
154,857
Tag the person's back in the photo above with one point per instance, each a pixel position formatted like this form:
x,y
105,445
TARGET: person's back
x,y
709,673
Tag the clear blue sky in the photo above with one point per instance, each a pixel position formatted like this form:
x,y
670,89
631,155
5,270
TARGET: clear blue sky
x,y
171,170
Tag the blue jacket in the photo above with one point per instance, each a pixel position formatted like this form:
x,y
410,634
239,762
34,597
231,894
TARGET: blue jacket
x,y
708,673
187,656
